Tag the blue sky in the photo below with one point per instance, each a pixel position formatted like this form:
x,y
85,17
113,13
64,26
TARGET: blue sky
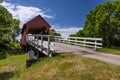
x,y
66,16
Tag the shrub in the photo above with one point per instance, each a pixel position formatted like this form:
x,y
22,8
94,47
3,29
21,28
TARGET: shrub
x,y
2,55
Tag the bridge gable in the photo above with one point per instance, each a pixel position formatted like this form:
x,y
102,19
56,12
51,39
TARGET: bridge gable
x,y
35,26
38,21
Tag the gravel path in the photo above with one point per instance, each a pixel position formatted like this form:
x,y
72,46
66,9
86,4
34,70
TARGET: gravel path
x,y
90,53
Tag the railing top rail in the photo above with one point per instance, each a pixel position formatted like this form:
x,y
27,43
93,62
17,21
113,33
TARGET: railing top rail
x,y
85,38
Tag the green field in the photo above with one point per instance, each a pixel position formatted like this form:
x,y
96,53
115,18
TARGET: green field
x,y
110,50
65,66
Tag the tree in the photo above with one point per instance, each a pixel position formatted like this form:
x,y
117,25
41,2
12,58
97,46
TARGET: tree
x,y
72,35
5,24
9,27
54,33
16,29
1,1
104,21
80,33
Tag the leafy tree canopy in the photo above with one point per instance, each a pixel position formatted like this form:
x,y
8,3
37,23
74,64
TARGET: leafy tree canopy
x,y
1,1
104,21
9,27
53,32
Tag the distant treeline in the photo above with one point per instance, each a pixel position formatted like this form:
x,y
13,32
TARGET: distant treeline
x,y
103,21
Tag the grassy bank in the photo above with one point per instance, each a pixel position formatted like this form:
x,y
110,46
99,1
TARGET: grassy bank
x,y
110,50
62,67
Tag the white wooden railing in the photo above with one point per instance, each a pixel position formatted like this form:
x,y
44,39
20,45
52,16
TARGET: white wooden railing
x,y
36,40
81,41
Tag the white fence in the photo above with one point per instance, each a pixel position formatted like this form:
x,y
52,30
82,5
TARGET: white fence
x,y
78,41
81,41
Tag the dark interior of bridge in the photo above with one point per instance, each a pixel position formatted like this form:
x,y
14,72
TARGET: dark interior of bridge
x,y
38,30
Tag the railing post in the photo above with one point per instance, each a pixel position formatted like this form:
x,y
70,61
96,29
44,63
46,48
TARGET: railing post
x,y
95,47
37,41
75,41
42,43
32,39
84,43
48,49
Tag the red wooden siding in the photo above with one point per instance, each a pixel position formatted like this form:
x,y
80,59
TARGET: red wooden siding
x,y
38,21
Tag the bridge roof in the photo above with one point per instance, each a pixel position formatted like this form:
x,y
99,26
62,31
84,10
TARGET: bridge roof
x,y
38,20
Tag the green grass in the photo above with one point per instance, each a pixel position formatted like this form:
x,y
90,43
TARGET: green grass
x,y
11,65
65,66
110,50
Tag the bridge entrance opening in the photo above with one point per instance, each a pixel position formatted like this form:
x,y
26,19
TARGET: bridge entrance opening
x,y
38,30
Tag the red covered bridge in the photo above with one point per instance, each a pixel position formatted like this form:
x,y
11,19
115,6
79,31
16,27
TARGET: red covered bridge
x,y
35,26
53,43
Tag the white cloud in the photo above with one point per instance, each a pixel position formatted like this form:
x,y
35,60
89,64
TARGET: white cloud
x,y
65,32
24,13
